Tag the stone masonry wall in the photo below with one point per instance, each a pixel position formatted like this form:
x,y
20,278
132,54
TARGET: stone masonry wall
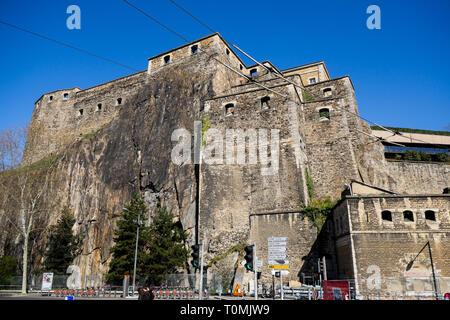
x,y
418,177
391,245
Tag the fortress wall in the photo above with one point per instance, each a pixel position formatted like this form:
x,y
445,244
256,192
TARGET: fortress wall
x,y
301,234
388,246
413,177
59,122
329,142
230,192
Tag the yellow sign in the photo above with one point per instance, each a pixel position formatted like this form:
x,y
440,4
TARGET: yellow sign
x,y
279,266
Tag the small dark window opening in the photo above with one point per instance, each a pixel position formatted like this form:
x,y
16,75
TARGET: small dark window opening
x,y
265,103
229,109
51,98
386,215
430,215
227,51
119,101
81,112
324,113
327,92
194,49
241,67
99,107
66,95
408,215
253,73
312,80
167,59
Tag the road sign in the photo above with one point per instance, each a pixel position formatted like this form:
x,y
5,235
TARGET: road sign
x,y
278,261
237,291
277,249
278,266
277,273
277,239
278,258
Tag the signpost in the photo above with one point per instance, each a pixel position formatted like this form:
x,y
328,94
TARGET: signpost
x,y
277,256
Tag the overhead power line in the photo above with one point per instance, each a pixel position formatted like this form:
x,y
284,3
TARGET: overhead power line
x,y
66,45
156,20
198,20
236,71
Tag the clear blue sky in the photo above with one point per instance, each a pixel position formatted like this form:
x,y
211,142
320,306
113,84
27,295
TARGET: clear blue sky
x,y
400,73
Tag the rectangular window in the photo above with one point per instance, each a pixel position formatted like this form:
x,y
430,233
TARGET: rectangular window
x,y
312,80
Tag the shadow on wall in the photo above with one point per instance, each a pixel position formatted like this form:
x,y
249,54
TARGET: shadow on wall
x,y
323,246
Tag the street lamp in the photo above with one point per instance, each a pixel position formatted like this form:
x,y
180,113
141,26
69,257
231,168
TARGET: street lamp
x,y
410,264
138,223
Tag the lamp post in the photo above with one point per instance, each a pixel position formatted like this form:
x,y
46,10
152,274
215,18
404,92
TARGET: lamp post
x,y
410,264
138,223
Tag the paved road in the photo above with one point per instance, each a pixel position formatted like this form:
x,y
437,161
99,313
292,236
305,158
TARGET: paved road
x,y
53,298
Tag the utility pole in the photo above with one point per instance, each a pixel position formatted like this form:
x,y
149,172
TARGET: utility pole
x,y
324,265
139,223
281,285
135,252
256,271
201,270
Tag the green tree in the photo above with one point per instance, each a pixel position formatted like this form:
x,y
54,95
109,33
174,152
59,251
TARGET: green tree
x,y
166,247
8,268
63,244
123,251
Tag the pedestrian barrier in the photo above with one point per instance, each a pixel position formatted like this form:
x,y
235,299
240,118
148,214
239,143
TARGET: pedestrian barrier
x,y
175,293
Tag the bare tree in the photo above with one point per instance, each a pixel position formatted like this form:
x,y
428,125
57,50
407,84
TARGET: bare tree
x,y
21,192
12,144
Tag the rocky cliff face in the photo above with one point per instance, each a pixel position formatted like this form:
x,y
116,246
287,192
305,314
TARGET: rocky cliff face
x,y
132,153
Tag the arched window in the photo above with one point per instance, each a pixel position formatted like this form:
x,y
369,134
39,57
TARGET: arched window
x,y
167,59
99,107
430,215
194,49
66,96
119,101
386,215
408,215
80,112
324,113
229,109
253,72
50,98
265,102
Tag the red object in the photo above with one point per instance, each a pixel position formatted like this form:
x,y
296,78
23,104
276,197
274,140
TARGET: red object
x,y
335,290
447,296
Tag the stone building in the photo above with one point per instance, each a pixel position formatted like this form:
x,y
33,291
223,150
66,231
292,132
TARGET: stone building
x,y
117,138
378,233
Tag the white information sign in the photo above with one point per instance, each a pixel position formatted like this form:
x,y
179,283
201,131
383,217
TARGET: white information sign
x,y
277,252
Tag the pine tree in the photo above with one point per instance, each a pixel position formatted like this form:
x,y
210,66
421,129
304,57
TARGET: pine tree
x,y
63,244
123,251
166,248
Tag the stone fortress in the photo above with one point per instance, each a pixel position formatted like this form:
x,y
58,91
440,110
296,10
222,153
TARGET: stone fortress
x,y
116,140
